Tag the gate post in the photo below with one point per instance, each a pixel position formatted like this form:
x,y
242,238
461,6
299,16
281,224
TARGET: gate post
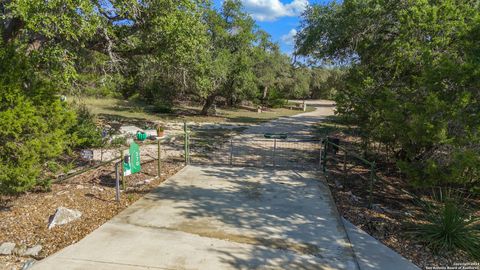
x,y
159,162
274,151
320,154
231,152
186,139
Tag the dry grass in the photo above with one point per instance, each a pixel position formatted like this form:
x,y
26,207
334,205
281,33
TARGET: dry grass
x,y
136,110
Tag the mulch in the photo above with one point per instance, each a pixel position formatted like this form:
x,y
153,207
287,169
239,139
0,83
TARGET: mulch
x,y
394,208
24,219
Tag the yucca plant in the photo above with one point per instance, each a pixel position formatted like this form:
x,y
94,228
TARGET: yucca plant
x,y
448,225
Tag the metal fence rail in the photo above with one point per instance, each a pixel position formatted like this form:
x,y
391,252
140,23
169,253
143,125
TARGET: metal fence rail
x,y
345,164
276,153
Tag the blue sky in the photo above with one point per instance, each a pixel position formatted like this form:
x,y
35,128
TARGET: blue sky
x,y
280,18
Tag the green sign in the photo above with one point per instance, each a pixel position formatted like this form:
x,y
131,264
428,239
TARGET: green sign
x,y
275,135
132,165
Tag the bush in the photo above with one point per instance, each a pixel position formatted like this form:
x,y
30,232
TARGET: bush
x,y
31,133
162,107
118,141
445,166
450,226
86,133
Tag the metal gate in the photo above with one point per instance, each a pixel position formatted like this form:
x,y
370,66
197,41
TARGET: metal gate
x,y
274,153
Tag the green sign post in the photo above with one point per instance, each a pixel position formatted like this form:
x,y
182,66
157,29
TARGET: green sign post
x,y
132,164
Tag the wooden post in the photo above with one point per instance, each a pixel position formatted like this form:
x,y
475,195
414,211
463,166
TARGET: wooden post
x,y
185,130
159,161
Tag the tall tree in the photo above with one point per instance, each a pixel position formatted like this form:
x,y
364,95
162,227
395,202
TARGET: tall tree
x,y
413,80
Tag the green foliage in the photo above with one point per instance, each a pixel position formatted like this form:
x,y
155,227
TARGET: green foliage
x,y
326,82
118,141
38,46
412,82
34,123
449,226
85,133
161,106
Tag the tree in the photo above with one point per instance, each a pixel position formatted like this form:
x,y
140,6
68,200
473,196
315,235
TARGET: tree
x,y
413,79
36,65
228,62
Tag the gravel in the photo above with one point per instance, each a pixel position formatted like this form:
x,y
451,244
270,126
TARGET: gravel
x,y
24,219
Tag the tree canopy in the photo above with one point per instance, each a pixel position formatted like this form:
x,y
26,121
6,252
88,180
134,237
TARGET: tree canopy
x,y
159,51
412,81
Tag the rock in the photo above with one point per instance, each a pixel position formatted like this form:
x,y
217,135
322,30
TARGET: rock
x,y
352,198
20,250
33,251
130,130
97,188
79,187
377,208
63,216
28,264
338,184
143,182
7,248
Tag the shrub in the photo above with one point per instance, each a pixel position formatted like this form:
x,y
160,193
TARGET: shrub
x,y
449,226
118,141
162,107
31,133
86,133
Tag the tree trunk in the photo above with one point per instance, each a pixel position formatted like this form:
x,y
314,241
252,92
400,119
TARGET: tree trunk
x,y
12,28
208,104
265,92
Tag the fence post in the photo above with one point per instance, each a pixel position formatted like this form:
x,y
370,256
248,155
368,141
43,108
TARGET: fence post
x,y
123,177
117,181
159,161
370,188
325,155
320,154
231,152
186,142
274,151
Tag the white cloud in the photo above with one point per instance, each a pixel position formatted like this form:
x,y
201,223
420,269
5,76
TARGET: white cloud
x,y
270,10
289,38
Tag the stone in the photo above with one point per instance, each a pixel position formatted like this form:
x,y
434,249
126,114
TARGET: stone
x,y
7,248
63,216
352,198
20,249
33,251
79,187
338,184
98,188
377,208
28,264
130,130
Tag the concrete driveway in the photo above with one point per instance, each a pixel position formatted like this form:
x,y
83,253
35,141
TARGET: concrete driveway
x,y
220,218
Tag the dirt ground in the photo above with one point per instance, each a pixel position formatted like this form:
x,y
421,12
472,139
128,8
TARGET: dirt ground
x,y
24,219
393,209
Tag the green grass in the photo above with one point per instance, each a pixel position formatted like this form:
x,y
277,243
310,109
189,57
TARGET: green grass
x,y
133,110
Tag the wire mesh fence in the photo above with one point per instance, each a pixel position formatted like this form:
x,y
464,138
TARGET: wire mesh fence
x,y
348,168
275,153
